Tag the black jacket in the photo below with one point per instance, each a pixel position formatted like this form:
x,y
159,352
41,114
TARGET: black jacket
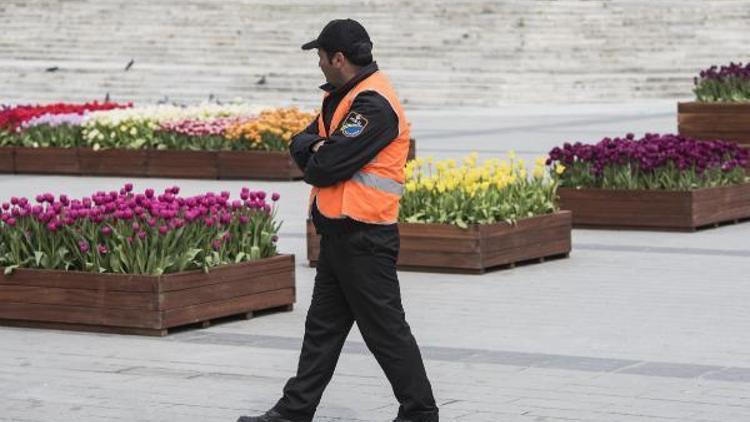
x,y
341,156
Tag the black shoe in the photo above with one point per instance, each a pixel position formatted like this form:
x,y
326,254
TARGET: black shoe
x,y
270,416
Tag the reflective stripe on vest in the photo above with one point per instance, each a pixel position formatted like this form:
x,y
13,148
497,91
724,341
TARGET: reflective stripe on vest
x,y
378,182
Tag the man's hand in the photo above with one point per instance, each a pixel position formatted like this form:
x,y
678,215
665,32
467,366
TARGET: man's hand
x,y
317,146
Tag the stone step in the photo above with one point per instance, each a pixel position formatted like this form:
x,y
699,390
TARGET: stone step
x,y
472,52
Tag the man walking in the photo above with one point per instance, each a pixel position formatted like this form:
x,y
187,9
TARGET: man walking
x,y
353,155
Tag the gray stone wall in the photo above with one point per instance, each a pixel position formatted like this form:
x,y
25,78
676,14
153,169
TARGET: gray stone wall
x,y
459,52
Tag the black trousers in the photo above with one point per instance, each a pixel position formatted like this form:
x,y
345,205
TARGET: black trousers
x,y
356,281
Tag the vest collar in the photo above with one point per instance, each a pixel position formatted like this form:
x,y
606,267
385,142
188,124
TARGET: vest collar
x,y
363,74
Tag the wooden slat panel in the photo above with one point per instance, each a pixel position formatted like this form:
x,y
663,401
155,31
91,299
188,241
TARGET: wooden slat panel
x,y
113,162
560,218
714,108
7,160
442,230
627,208
256,164
80,280
550,247
721,204
656,209
78,297
715,122
249,283
737,137
211,310
46,160
136,318
83,327
525,237
227,273
193,164
440,259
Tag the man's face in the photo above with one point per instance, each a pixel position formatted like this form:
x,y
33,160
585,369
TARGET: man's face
x,y
329,68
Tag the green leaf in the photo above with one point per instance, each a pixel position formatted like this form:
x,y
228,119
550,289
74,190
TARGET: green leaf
x,y
9,269
38,255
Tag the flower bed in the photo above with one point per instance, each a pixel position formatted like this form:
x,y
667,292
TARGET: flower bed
x,y
205,141
722,107
233,141
140,263
472,218
657,182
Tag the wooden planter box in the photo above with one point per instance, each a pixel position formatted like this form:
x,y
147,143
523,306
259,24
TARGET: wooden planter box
x,y
715,121
145,305
661,210
268,165
7,160
271,165
112,162
412,149
447,248
47,160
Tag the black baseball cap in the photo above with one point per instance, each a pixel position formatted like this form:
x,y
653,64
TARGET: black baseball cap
x,y
345,35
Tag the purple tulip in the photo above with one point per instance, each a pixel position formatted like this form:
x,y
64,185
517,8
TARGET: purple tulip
x,y
83,246
106,230
102,249
275,197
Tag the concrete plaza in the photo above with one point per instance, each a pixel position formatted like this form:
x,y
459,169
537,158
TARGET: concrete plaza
x,y
634,326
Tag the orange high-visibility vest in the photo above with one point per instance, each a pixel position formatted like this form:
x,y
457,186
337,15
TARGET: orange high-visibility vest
x,y
373,193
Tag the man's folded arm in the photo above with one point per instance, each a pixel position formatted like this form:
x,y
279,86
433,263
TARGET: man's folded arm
x,y
371,125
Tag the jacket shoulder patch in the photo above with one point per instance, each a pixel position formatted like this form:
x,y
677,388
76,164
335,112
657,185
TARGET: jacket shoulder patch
x,y
353,125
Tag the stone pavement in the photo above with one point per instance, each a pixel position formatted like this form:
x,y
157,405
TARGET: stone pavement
x,y
635,326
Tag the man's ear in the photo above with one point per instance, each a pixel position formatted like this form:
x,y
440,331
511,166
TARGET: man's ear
x,y
339,59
